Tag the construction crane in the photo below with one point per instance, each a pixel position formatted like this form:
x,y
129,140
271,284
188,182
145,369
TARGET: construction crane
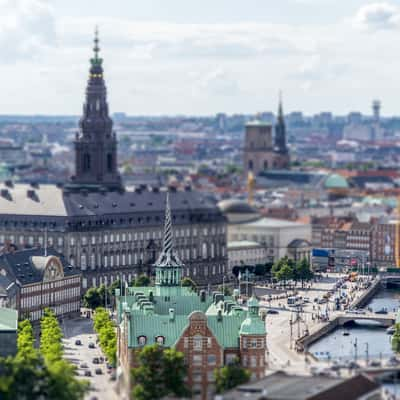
x,y
251,181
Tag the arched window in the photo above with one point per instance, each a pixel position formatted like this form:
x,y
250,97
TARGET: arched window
x,y
86,162
250,164
109,162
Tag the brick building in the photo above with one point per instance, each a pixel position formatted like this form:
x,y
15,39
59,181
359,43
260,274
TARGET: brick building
x,y
211,331
42,279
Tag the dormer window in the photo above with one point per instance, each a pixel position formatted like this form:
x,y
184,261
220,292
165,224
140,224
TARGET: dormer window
x,y
160,340
142,340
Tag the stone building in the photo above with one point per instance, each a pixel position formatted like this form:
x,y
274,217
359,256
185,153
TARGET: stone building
x,y
105,229
261,150
43,279
210,331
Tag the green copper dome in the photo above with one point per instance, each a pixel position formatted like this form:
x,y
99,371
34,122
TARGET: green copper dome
x,y
253,324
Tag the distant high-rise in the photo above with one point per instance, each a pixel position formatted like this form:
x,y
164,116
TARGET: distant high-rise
x,y
96,143
376,109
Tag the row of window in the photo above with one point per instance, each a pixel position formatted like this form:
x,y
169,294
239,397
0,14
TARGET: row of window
x,y
58,310
110,238
50,285
49,298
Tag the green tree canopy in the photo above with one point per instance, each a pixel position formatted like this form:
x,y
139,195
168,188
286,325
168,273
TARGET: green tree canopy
x,y
93,298
189,282
160,373
141,281
230,376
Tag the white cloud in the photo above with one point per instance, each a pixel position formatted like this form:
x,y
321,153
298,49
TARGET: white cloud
x,y
26,27
378,16
218,82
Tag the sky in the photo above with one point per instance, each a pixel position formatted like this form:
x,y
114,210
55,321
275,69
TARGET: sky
x,y
169,57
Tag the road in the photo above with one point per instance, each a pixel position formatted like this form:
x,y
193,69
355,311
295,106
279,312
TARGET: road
x,y
102,388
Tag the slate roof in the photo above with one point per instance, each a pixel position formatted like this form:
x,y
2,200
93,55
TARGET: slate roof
x,y
282,386
53,201
23,266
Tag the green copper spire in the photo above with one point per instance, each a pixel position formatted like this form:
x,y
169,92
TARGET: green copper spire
x,y
168,266
96,60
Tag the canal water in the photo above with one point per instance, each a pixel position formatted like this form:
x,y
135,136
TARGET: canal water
x,y
361,338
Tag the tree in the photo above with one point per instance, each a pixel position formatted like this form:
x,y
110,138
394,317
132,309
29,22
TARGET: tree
x,y
284,270
93,298
226,290
141,281
40,374
160,373
396,338
303,271
188,282
106,332
230,376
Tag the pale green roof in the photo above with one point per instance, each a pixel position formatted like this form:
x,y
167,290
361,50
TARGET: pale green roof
x,y
336,181
253,326
152,319
8,319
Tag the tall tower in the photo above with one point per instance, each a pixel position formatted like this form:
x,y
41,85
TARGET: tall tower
x,y
280,130
376,109
168,266
95,142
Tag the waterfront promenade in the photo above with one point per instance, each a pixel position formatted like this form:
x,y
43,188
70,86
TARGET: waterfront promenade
x,y
290,327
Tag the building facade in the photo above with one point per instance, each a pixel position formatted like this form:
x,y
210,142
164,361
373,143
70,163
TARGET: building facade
x,y
275,235
210,331
245,252
43,280
105,229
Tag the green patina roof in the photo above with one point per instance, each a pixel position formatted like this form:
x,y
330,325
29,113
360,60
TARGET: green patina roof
x,y
253,326
155,325
152,319
226,331
8,319
336,181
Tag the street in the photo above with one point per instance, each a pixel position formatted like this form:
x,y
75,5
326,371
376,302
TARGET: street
x,y
102,387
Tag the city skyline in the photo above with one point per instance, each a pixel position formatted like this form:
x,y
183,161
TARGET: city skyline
x,y
199,62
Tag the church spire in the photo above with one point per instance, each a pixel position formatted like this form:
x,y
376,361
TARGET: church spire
x,y
96,144
280,129
168,265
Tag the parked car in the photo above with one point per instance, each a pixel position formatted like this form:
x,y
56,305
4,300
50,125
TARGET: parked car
x,y
96,360
98,371
88,373
83,365
78,342
91,345
272,312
